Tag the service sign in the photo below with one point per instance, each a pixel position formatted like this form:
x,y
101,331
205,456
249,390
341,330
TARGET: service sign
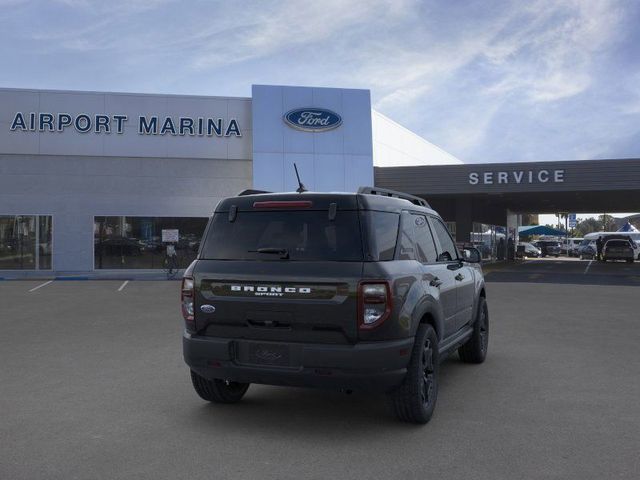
x,y
312,119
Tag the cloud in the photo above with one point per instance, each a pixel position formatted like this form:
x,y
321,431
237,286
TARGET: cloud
x,y
485,80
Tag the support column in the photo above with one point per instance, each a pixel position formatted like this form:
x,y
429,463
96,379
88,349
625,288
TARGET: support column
x,y
463,219
513,222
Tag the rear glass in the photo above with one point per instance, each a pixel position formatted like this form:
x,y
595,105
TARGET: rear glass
x,y
618,243
304,235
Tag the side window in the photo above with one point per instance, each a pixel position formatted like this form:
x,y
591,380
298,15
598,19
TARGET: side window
x,y
406,241
425,246
448,249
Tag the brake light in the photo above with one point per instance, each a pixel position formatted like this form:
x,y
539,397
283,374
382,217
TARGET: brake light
x,y
283,204
186,300
374,303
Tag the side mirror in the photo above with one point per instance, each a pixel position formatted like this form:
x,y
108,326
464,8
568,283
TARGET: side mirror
x,y
472,255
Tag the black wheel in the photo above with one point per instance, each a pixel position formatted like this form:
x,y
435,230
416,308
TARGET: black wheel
x,y
475,350
415,399
218,391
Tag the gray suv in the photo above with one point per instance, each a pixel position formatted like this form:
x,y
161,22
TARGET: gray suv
x,y
349,291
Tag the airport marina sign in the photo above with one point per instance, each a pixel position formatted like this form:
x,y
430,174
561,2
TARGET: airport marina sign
x,y
516,177
116,123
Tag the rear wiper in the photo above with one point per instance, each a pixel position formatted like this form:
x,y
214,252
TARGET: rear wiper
x,y
283,252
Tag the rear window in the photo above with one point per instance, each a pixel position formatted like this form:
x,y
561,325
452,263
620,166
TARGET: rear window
x,y
304,235
618,243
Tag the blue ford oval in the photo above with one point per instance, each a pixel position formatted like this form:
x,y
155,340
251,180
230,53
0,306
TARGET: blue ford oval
x,y
312,119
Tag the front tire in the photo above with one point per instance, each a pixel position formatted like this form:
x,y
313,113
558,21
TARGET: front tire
x,y
218,391
475,350
415,399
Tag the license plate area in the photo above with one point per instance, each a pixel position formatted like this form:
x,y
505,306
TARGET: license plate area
x,y
264,354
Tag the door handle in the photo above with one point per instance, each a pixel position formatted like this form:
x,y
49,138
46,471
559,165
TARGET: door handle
x,y
459,277
435,282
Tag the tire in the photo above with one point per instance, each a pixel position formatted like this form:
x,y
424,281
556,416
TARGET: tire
x,y
475,350
218,391
415,399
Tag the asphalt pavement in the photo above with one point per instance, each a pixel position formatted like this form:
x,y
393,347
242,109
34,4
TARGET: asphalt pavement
x,y
93,386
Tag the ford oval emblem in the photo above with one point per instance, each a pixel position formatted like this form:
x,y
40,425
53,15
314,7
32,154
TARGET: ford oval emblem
x,y
207,308
312,119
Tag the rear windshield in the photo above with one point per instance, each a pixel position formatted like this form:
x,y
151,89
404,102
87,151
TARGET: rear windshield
x,y
285,235
618,243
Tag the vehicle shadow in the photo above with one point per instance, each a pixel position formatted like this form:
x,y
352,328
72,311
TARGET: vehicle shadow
x,y
315,413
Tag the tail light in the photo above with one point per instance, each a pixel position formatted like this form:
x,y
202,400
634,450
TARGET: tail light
x,y
374,303
186,300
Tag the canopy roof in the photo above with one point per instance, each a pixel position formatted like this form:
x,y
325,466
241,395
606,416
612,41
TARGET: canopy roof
x,y
627,227
527,230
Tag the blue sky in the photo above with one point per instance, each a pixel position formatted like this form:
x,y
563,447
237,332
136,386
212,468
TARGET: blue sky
x,y
485,80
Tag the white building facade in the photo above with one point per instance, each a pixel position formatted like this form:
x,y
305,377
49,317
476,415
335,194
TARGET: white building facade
x,y
90,182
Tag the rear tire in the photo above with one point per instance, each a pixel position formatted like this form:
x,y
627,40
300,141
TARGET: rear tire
x,y
415,399
218,391
475,350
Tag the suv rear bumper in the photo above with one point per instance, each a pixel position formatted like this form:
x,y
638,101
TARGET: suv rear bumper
x,y
370,366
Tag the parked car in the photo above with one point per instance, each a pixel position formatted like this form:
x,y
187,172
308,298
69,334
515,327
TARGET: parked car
x,y
346,291
587,249
548,247
529,250
618,250
574,244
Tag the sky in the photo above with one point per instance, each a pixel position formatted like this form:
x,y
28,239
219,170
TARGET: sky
x,y
487,81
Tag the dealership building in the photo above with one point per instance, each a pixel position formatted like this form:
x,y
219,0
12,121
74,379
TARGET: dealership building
x,y
93,183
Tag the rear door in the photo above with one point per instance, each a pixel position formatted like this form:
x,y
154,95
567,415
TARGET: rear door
x,y
463,275
280,274
436,275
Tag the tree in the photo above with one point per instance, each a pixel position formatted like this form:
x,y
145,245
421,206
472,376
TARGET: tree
x,y
588,225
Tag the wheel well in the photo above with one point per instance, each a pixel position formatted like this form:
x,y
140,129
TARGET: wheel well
x,y
483,294
428,319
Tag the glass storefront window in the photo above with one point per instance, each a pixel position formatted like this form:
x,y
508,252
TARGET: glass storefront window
x,y
491,240
136,242
25,242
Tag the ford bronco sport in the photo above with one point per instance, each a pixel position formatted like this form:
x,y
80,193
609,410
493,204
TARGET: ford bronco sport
x,y
348,291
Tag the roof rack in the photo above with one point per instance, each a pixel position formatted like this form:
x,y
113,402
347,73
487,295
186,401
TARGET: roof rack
x,y
392,193
251,192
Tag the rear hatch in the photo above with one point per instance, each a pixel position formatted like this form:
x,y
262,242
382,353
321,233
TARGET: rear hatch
x,y
281,270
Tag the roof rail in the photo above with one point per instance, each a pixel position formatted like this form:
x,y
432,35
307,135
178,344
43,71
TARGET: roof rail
x,y
250,191
392,193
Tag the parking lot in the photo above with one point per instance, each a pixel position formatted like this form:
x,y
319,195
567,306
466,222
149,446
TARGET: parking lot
x,y
94,387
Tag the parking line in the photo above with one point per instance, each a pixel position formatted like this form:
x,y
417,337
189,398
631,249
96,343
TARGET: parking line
x,y
123,285
40,286
588,266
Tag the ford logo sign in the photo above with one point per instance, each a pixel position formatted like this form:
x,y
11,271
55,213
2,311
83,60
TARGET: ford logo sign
x,y
312,119
207,308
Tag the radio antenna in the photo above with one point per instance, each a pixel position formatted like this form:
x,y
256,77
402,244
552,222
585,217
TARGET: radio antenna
x,y
301,188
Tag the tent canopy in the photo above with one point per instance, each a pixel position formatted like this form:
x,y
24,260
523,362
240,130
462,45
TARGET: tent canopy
x,y
627,227
528,230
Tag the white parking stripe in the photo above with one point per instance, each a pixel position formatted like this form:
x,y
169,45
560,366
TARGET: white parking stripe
x,y
40,286
123,285
588,266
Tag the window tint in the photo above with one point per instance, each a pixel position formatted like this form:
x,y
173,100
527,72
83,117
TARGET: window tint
x,y
308,235
425,246
407,240
448,249
382,228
